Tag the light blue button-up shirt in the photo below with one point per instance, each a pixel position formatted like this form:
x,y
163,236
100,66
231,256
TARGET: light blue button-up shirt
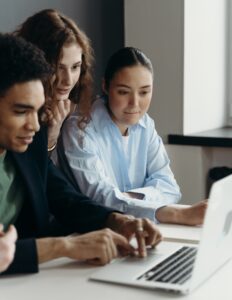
x,y
97,162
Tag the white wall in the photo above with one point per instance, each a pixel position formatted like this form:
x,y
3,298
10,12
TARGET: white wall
x,y
186,41
229,57
190,165
204,65
156,27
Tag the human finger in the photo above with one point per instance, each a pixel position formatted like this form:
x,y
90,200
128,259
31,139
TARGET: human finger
x,y
140,237
67,105
105,249
113,249
108,247
61,109
61,106
103,255
122,243
55,111
153,234
49,114
11,234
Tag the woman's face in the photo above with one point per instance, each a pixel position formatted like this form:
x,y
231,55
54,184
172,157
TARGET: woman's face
x,y
68,71
130,93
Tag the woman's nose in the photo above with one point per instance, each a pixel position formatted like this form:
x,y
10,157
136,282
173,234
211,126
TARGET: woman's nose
x,y
67,77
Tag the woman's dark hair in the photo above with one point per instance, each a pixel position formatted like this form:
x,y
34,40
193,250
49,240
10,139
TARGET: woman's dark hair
x,y
50,31
125,57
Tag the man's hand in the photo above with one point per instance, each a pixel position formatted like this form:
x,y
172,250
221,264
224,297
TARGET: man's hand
x,y
145,232
7,246
98,247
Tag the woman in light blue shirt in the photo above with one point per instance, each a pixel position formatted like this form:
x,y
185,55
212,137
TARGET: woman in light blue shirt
x,y
120,160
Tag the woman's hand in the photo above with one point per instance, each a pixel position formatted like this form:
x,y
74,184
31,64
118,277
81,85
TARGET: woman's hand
x,y
54,115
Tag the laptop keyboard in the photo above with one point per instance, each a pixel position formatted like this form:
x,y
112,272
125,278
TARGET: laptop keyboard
x,y
176,269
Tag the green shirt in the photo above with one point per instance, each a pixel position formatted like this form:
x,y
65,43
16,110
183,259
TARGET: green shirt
x,y
11,191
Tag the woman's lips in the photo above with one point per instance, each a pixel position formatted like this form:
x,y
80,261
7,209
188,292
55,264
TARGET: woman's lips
x,y
63,91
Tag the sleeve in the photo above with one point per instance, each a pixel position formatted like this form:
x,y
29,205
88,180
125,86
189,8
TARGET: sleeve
x,y
81,162
71,208
160,186
25,259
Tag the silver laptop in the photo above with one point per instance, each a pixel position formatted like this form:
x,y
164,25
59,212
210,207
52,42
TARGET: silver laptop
x,y
176,266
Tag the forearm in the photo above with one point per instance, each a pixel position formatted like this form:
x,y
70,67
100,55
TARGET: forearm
x,y
175,214
183,214
127,202
50,248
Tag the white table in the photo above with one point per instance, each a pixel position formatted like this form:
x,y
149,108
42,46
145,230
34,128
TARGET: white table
x,y
64,279
181,233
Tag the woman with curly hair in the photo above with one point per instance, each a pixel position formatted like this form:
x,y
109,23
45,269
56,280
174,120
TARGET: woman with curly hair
x,y
69,52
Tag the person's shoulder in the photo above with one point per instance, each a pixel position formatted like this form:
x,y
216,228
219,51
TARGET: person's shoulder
x,y
72,120
70,127
99,107
99,114
147,122
149,128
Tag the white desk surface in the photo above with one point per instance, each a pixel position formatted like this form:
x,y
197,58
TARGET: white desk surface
x,y
181,233
64,279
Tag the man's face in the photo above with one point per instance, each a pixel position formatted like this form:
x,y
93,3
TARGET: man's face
x,y
19,108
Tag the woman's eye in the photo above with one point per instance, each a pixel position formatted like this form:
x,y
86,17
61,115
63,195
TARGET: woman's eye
x,y
20,112
122,92
144,93
76,67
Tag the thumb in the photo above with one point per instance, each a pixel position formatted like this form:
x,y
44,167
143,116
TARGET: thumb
x,y
11,234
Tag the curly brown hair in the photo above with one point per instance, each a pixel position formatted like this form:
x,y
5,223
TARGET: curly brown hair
x,y
50,31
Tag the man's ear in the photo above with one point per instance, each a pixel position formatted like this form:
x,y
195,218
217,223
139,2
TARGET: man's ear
x,y
104,87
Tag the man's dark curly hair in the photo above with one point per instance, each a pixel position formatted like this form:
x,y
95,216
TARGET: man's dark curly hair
x,y
20,62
